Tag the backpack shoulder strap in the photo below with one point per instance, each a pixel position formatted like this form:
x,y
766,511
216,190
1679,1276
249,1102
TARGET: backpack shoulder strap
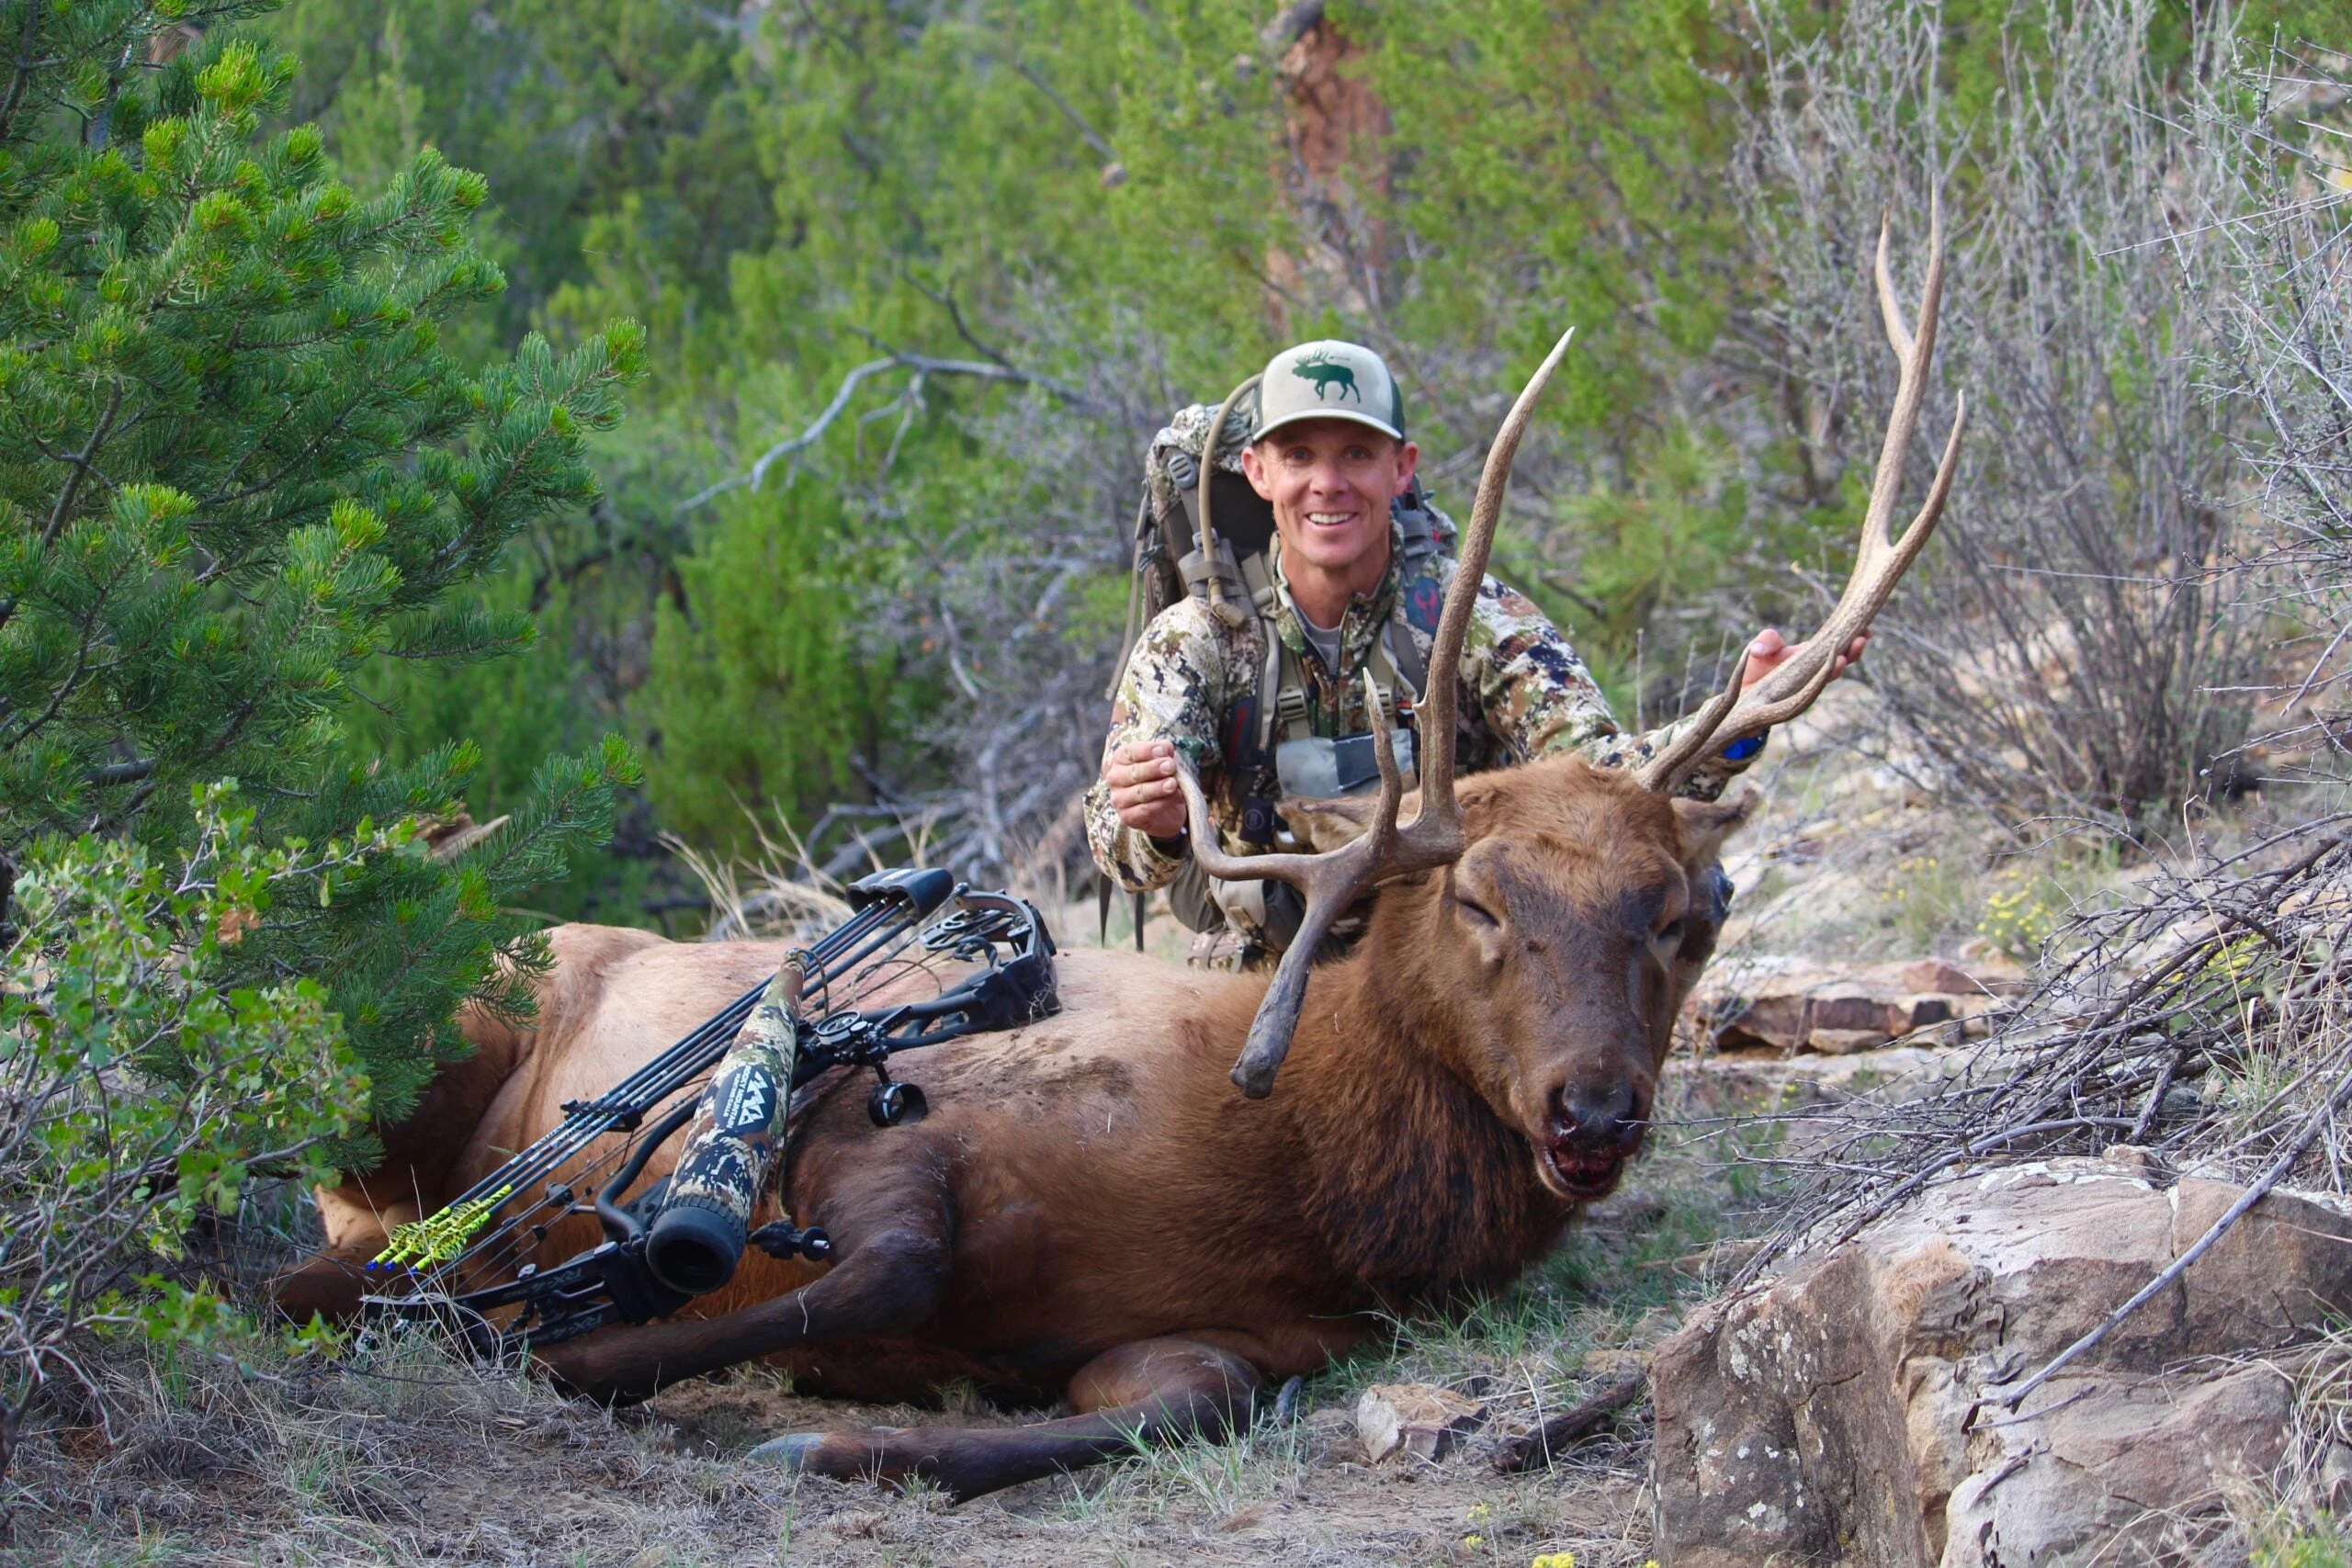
x,y
1420,603
1282,688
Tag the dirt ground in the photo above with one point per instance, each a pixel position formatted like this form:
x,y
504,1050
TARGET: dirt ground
x,y
1284,1496
397,1453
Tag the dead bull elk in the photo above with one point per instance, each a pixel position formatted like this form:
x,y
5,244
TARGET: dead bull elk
x,y
1089,1211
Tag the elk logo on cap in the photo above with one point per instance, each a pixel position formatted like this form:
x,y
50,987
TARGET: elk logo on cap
x,y
1319,369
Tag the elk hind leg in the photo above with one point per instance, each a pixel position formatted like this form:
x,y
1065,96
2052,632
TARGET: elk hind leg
x,y
1150,1392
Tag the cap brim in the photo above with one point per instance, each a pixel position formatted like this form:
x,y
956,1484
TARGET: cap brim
x,y
1304,415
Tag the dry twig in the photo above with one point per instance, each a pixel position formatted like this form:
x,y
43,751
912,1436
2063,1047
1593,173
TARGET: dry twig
x,y
1558,1434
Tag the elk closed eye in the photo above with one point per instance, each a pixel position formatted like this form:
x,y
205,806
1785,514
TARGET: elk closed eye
x,y
1670,934
1477,913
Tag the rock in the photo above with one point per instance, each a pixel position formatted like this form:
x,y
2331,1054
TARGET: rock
x,y
1845,1411
1846,1042
2336,1478
1748,1084
2092,1457
1714,1261
1422,1419
1792,1004
1331,1437
1921,1011
1628,1209
1990,972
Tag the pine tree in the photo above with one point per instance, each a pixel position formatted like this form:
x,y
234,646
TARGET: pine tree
x,y
237,463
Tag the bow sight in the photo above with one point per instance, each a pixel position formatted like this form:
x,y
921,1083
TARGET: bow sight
x,y
472,1266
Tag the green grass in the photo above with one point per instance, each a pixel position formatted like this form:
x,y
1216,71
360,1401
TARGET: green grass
x,y
2307,1548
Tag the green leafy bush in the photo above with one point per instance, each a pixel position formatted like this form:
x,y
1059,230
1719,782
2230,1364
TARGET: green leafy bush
x,y
237,466
758,696
140,1086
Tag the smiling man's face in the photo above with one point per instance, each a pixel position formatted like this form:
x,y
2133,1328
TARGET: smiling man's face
x,y
1331,481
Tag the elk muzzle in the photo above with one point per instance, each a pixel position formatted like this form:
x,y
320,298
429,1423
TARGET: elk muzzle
x,y
1590,1130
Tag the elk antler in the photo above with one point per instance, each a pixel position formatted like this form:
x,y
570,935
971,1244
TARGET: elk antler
x,y
1335,879
1735,715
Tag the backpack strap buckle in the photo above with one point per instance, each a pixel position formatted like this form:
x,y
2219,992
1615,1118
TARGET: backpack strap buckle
x,y
1196,571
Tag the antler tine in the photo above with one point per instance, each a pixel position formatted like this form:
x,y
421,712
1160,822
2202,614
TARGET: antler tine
x,y
1890,308
1441,817
1333,880
1330,882
1913,354
1304,872
1880,561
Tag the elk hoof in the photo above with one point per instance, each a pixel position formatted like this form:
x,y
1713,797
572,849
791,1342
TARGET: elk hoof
x,y
796,1451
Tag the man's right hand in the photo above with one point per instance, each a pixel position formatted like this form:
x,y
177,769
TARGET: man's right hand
x,y
1142,778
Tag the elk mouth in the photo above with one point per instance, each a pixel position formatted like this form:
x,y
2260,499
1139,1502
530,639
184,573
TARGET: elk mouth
x,y
1581,1173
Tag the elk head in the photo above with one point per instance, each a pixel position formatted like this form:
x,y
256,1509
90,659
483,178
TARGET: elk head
x,y
1544,967
1646,878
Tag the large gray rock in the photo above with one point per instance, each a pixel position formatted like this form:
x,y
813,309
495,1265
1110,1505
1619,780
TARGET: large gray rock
x,y
2106,1457
1844,1412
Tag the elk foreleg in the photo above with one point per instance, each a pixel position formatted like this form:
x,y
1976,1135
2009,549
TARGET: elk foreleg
x,y
892,1270
1154,1391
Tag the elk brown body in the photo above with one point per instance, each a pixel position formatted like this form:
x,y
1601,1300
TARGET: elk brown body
x,y
1091,1211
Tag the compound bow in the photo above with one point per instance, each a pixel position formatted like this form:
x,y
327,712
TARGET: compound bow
x,y
493,1229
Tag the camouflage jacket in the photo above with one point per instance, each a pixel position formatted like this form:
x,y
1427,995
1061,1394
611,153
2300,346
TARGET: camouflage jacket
x,y
1522,693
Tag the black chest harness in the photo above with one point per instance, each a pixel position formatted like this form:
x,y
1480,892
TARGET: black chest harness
x,y
1269,743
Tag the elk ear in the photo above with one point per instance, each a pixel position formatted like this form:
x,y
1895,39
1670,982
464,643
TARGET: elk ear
x,y
1707,823
1326,825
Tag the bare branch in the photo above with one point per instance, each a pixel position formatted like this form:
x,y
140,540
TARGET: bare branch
x,y
920,364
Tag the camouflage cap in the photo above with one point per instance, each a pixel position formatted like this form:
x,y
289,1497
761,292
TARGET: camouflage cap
x,y
1329,379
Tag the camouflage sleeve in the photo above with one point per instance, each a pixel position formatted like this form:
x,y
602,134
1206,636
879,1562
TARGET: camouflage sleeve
x,y
1538,695
1175,688
1708,778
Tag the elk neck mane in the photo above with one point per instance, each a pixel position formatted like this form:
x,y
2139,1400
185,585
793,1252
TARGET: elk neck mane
x,y
1414,1184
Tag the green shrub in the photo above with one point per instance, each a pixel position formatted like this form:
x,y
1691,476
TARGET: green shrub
x,y
140,1087
758,690
237,465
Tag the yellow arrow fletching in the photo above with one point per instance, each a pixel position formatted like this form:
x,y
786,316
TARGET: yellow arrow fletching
x,y
439,1237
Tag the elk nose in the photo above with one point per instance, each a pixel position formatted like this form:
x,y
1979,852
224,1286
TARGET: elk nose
x,y
1596,1118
